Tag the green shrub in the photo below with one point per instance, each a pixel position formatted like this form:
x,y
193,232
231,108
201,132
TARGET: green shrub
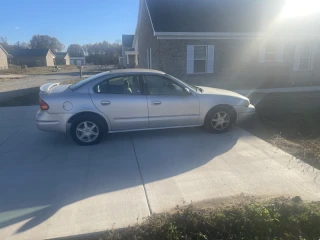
x,y
275,219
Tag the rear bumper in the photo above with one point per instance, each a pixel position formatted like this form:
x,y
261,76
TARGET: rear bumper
x,y
50,122
245,113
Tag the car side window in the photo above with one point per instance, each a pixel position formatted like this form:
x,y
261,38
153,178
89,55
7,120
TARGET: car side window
x,y
158,85
120,85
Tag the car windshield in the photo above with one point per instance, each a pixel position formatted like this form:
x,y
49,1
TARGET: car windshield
x,y
183,82
85,81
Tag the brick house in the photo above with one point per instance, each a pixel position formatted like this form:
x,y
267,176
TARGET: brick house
x,y
62,58
205,42
3,58
129,56
33,57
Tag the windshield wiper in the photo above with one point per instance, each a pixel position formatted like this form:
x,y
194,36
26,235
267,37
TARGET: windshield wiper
x,y
200,89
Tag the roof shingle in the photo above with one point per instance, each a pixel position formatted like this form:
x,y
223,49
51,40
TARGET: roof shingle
x,y
30,52
213,15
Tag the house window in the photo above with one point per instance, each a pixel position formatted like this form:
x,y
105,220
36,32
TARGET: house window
x,y
305,58
270,52
200,59
38,62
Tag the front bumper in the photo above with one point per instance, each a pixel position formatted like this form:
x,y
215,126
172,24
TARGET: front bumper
x,y
245,113
50,122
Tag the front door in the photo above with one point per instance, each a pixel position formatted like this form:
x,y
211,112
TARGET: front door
x,y
121,99
169,104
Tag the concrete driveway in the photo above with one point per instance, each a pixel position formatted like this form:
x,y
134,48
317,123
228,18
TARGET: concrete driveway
x,y
51,187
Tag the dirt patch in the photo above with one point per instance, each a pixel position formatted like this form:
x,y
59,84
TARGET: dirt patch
x,y
289,121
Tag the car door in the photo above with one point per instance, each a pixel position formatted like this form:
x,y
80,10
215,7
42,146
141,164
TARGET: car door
x,y
122,100
169,103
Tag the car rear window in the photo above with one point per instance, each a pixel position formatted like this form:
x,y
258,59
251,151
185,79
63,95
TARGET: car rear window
x,y
85,81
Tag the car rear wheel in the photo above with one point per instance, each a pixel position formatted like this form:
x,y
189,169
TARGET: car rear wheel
x,y
219,120
87,130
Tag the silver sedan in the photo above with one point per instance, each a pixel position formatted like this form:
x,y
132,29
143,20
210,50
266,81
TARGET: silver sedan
x,y
136,99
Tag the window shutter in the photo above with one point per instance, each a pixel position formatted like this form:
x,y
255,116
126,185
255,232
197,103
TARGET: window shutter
x,y
261,53
190,59
280,51
296,58
148,58
314,50
210,60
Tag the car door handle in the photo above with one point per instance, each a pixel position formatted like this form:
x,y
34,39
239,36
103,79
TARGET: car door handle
x,y
105,103
156,102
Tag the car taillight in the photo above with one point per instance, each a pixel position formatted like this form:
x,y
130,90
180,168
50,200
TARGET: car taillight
x,y
43,105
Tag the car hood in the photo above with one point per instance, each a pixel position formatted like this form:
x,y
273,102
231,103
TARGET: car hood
x,y
225,94
221,92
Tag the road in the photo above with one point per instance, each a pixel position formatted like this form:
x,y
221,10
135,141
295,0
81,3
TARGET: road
x,y
51,187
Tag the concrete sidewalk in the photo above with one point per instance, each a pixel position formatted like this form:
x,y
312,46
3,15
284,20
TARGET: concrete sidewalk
x,y
51,187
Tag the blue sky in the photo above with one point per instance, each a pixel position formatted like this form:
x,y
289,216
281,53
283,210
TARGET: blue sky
x,y
70,21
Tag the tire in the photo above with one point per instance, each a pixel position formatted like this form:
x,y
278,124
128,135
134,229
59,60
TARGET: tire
x,y
219,120
87,130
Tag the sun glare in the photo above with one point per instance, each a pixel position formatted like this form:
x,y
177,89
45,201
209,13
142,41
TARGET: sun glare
x,y
298,8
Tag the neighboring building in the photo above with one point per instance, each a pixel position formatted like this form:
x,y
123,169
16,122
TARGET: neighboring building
x,y
203,41
3,58
129,56
10,59
62,58
33,57
79,61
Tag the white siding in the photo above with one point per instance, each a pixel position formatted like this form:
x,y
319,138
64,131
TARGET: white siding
x,y
296,58
314,50
190,59
280,51
261,53
210,60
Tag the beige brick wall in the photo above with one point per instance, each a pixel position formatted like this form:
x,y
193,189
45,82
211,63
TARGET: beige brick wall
x,y
50,59
67,59
3,60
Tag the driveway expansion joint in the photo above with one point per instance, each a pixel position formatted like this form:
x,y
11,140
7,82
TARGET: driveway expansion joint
x,y
143,184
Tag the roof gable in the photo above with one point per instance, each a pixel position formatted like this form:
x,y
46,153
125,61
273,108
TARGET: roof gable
x,y
127,41
212,15
3,49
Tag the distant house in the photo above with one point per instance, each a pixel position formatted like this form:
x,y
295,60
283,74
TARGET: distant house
x,y
204,41
33,57
62,58
3,58
79,61
129,56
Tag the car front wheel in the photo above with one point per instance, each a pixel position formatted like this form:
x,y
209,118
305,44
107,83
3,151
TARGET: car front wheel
x,y
219,120
87,131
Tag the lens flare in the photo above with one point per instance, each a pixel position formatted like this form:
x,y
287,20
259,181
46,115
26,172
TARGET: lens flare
x,y
299,8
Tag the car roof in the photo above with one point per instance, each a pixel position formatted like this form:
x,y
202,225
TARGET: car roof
x,y
135,70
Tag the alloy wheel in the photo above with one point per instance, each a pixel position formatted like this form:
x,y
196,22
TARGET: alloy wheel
x,y
220,120
87,131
